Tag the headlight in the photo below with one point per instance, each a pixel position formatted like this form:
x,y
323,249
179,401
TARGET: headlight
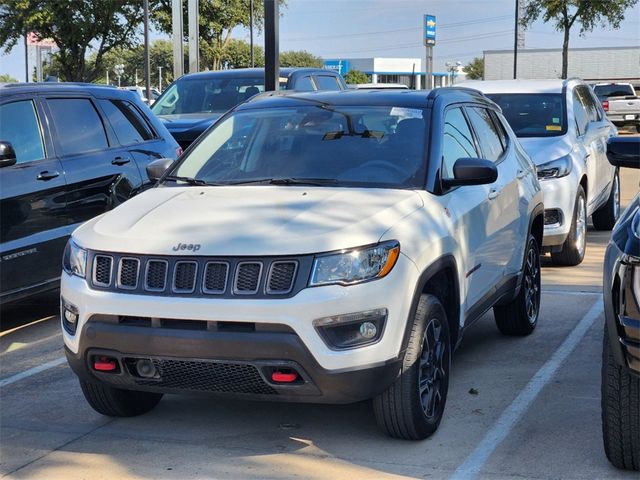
x,y
356,265
555,169
74,260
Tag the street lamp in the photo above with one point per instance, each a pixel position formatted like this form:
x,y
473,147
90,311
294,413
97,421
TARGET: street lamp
x,y
118,70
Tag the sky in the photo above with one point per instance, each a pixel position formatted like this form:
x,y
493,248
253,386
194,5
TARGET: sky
x,y
393,28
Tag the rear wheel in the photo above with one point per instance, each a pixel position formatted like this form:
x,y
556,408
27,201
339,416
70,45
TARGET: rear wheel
x,y
115,402
574,247
620,411
520,317
412,407
606,216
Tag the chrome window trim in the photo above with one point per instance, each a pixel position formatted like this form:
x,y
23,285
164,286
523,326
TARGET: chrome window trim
x,y
226,278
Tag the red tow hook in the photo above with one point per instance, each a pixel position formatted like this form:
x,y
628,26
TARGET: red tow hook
x,y
284,377
104,364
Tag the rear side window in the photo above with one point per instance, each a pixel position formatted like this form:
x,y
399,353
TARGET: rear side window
x,y
129,127
327,82
458,141
487,134
589,103
304,84
499,129
19,125
580,114
78,124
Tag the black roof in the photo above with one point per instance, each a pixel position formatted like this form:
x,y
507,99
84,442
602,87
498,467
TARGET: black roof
x,y
252,72
352,97
96,90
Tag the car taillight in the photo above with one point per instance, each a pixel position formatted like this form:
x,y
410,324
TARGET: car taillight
x,y
605,105
178,152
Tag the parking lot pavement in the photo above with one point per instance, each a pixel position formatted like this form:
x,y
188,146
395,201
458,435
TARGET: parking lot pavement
x,y
517,408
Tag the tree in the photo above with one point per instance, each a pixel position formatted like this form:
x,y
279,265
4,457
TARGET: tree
x,y
235,54
300,58
216,21
6,78
76,26
475,69
356,76
565,13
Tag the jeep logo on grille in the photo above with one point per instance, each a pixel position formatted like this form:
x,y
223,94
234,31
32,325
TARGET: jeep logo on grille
x,y
194,247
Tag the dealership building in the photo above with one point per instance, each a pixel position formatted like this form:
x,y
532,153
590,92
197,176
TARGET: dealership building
x,y
407,71
621,64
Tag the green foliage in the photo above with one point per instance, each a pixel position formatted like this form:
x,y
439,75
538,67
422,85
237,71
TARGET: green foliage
x,y
235,54
77,27
588,14
6,78
475,69
356,76
217,19
299,58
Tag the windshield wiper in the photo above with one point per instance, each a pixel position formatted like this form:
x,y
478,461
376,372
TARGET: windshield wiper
x,y
189,180
320,182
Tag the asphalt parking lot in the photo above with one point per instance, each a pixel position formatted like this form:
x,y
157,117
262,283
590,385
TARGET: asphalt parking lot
x,y
517,408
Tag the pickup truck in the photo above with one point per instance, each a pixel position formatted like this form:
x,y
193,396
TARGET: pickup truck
x,y
620,102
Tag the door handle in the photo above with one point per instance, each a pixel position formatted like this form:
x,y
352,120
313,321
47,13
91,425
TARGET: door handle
x,y
493,194
47,175
120,161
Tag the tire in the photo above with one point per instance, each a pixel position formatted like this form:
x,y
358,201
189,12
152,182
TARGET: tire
x,y
638,127
607,215
620,411
403,410
520,317
575,246
115,402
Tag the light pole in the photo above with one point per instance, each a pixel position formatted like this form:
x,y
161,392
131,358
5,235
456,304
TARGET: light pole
x,y
118,70
159,79
251,31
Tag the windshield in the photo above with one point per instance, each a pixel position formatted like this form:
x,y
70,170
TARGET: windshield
x,y
613,90
533,114
314,144
206,95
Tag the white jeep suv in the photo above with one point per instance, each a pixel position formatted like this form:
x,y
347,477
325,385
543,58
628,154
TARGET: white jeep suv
x,y
311,247
562,126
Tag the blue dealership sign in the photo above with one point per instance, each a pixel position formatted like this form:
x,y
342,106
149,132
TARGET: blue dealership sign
x,y
338,66
429,30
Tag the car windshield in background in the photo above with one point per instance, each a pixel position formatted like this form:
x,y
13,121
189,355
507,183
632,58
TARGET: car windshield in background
x,y
606,91
533,114
315,145
206,95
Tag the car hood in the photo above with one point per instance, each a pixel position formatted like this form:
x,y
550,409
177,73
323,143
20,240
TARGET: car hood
x,y
189,121
543,150
248,220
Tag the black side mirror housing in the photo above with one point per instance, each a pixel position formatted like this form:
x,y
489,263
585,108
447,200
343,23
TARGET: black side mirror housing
x,y
156,169
471,171
624,152
7,154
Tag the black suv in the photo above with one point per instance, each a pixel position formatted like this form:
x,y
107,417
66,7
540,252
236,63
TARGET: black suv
x,y
68,152
193,102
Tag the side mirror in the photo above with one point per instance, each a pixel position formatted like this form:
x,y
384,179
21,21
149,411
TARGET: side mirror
x,y
7,155
471,171
156,169
624,151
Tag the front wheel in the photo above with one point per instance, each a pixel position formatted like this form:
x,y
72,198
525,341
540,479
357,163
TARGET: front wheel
x,y
412,407
575,246
520,317
606,216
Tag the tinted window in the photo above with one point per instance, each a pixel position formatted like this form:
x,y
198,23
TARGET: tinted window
x,y
589,103
499,128
19,126
614,90
580,114
78,125
486,131
304,84
458,141
327,82
128,126
362,146
533,114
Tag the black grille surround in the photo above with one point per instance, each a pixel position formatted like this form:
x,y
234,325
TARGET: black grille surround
x,y
202,277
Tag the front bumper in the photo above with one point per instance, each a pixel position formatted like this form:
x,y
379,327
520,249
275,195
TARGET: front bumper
x,y
560,195
279,331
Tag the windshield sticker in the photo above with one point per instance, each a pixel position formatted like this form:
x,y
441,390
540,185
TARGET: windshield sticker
x,y
406,112
554,128
555,120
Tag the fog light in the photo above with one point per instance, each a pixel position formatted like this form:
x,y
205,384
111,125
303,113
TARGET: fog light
x,y
352,330
146,369
69,314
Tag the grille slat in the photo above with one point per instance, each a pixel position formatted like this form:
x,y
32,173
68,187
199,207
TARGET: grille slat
x,y
184,276
215,277
102,270
281,277
156,275
247,279
128,273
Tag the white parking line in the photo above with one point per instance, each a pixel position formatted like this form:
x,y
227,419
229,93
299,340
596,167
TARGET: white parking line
x,y
32,371
510,417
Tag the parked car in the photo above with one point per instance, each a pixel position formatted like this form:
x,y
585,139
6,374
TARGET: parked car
x,y
193,102
381,86
69,152
621,346
620,102
563,127
311,247
155,93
